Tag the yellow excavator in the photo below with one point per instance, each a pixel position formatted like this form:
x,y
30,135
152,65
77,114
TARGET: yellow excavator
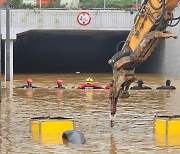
x,y
149,28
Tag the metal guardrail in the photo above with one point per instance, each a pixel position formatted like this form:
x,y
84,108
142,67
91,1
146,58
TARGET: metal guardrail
x,y
75,4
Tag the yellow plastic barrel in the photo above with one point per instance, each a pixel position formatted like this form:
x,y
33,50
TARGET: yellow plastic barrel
x,y
167,131
48,130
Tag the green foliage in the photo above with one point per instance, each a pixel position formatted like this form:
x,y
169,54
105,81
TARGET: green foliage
x,y
16,3
109,3
87,4
84,4
120,3
58,3
51,4
28,6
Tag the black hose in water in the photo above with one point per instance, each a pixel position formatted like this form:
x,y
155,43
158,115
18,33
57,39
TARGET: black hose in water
x,y
74,137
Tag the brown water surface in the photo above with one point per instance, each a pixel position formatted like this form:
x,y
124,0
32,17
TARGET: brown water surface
x,y
133,132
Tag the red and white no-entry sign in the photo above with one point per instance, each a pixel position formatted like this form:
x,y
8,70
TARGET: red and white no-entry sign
x,y
83,18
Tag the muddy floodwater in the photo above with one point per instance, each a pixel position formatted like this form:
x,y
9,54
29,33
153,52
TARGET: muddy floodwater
x,y
132,133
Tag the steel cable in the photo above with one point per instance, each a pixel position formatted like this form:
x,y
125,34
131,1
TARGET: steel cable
x,y
173,19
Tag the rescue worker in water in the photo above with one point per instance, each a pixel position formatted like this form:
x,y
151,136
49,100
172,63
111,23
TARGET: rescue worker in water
x,y
59,84
167,86
29,84
109,85
140,86
89,85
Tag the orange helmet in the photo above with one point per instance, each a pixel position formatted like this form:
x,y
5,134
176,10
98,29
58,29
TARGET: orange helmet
x,y
29,81
59,82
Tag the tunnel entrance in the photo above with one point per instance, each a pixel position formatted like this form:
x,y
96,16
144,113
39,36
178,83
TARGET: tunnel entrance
x,y
66,51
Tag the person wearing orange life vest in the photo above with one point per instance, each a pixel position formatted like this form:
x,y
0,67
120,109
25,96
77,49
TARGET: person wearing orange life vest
x,y
89,85
29,84
59,84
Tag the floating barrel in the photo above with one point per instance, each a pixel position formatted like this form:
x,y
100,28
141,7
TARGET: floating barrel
x,y
167,131
48,130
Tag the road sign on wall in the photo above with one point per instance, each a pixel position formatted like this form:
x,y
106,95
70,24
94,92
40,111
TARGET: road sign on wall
x,y
83,18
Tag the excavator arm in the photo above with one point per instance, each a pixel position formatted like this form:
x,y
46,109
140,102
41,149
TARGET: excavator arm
x,y
149,28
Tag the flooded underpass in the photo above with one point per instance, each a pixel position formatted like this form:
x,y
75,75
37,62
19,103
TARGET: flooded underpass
x,y
132,133
69,55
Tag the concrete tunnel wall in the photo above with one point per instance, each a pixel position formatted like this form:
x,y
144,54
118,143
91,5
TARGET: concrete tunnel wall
x,y
65,51
165,59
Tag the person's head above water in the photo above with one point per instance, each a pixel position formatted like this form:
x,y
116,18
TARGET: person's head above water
x,y
140,83
29,81
59,82
89,81
168,82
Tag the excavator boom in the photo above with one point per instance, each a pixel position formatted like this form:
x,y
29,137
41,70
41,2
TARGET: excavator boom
x,y
149,27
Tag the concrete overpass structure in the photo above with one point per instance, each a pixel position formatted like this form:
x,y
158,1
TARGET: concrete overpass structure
x,y
166,55
84,20
25,20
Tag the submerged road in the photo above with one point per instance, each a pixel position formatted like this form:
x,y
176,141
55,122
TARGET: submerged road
x,y
133,132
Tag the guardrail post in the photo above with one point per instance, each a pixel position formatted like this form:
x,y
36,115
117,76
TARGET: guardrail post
x,y
0,57
7,52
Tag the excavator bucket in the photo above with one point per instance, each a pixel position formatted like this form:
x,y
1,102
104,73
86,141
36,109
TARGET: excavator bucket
x,y
149,28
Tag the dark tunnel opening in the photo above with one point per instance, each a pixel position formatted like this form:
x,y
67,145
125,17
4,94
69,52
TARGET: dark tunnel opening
x,y
70,51
66,51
